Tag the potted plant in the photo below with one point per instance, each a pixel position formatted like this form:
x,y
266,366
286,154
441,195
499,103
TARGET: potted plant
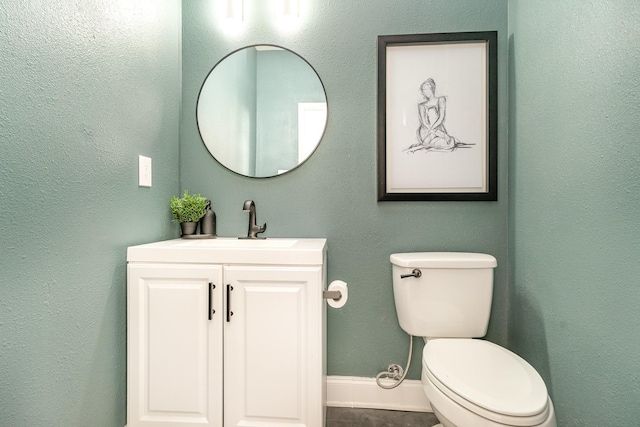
x,y
188,210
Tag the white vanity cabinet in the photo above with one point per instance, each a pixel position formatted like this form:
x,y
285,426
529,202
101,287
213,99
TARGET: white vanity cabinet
x,y
273,347
226,344
174,352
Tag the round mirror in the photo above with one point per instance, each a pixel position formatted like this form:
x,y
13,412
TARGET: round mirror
x,y
262,111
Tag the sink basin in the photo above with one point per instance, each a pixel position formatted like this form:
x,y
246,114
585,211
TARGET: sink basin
x,y
231,243
223,250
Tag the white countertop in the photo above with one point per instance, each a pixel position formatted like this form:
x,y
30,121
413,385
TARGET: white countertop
x,y
231,250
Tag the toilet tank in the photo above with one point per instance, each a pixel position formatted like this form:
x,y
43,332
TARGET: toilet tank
x,y
450,299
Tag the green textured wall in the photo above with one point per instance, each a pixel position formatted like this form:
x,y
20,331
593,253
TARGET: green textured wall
x,y
333,194
85,87
575,203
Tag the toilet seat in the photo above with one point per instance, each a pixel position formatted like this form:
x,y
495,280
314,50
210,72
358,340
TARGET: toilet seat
x,y
487,380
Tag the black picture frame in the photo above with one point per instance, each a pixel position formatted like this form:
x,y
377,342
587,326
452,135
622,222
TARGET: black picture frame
x,y
445,147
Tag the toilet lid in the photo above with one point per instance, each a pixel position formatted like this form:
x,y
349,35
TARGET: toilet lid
x,y
487,375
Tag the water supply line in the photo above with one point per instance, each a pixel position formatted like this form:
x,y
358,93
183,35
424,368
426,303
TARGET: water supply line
x,y
393,373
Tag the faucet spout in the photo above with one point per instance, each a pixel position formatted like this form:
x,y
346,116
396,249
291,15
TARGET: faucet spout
x,y
254,229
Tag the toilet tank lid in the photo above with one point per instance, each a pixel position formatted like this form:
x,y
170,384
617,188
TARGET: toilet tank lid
x,y
444,260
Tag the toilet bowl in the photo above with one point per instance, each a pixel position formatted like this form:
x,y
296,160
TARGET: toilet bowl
x,y
446,298
472,382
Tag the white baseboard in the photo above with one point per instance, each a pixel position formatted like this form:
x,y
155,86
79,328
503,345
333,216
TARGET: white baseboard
x,y
358,392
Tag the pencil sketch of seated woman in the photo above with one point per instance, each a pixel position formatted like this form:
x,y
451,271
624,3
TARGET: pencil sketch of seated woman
x,y
432,134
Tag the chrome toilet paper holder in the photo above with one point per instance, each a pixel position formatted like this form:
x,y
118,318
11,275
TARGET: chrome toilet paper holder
x,y
334,295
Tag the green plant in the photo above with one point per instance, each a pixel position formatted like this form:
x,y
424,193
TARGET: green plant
x,y
189,208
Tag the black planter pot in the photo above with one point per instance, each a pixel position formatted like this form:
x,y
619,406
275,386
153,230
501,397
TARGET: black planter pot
x,y
188,228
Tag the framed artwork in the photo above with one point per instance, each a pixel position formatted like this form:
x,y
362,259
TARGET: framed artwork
x,y
438,117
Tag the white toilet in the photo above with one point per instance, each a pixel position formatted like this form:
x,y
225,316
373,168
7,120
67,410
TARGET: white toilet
x,y
445,297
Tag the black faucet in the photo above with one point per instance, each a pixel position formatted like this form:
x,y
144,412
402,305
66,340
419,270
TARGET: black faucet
x,y
253,228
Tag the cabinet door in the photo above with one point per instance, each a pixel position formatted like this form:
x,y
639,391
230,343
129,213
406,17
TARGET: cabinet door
x,y
174,354
273,347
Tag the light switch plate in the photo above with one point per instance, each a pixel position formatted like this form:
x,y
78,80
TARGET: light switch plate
x,y
144,171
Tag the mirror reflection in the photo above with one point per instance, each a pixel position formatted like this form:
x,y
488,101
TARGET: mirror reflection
x,y
262,111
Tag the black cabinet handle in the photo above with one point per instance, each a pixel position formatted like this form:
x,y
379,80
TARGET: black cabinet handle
x,y
229,312
212,311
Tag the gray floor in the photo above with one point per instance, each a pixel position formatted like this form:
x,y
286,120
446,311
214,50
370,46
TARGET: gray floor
x,y
347,417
